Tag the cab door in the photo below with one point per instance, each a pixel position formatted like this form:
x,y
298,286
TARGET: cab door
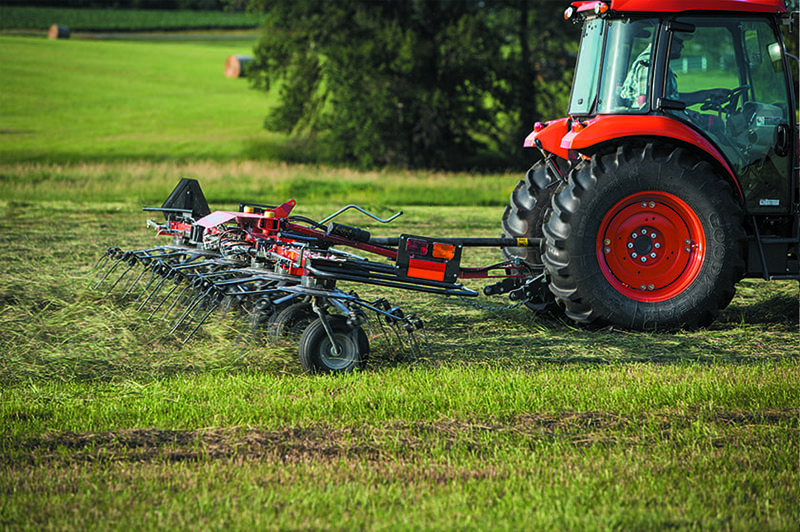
x,y
753,126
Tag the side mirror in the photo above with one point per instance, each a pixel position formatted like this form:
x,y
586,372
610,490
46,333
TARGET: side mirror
x,y
775,56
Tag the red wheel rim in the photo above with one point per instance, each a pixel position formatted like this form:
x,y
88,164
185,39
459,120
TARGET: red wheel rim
x,y
651,246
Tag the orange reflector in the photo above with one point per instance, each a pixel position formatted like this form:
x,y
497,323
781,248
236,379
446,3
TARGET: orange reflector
x,y
425,269
443,251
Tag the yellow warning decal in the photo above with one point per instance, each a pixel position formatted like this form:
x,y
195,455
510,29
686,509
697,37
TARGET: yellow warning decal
x,y
522,242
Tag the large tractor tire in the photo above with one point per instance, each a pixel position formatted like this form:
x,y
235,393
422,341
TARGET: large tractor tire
x,y
646,238
528,208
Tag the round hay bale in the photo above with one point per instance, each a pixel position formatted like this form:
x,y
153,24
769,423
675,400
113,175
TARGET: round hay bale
x,y
235,65
58,32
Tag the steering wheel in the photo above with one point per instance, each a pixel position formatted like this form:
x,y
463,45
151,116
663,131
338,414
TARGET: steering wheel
x,y
727,103
733,99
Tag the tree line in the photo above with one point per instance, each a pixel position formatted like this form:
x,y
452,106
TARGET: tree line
x,y
191,5
444,84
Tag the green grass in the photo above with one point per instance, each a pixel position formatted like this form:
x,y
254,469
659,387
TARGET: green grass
x,y
510,422
127,20
77,101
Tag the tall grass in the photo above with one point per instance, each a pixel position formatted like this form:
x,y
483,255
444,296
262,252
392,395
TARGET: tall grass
x,y
142,183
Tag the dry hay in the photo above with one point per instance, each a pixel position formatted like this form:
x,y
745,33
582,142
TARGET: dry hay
x,y
58,32
235,65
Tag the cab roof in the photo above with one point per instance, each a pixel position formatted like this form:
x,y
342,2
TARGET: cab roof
x,y
672,6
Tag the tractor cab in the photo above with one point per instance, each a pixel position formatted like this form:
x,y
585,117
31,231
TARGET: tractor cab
x,y
722,77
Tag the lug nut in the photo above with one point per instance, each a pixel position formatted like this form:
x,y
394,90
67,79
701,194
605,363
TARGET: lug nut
x,y
634,255
630,245
652,287
644,259
687,249
657,245
643,287
653,235
644,231
607,242
652,255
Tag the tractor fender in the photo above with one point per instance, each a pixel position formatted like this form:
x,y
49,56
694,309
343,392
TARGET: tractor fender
x,y
593,132
547,136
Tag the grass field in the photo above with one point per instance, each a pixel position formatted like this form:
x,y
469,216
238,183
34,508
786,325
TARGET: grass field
x,y
127,20
77,101
510,421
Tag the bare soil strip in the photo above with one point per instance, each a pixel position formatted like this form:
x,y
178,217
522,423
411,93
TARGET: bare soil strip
x,y
369,443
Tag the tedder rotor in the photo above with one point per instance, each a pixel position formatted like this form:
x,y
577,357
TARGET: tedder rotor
x,y
282,270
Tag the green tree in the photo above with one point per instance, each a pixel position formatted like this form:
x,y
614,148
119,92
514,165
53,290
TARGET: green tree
x,y
415,83
538,67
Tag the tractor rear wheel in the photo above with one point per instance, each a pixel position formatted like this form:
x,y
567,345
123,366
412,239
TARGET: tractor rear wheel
x,y
645,238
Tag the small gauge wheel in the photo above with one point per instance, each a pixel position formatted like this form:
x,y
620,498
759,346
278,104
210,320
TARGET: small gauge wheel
x,y
319,355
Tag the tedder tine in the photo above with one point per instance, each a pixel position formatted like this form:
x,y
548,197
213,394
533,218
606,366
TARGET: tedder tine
x,y
131,264
153,275
177,299
159,268
193,304
214,307
152,293
105,257
108,272
134,283
177,282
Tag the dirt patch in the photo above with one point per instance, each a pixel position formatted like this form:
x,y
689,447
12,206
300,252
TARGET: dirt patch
x,y
370,443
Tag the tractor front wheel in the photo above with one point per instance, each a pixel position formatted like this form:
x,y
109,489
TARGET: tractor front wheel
x,y
525,217
527,210
645,238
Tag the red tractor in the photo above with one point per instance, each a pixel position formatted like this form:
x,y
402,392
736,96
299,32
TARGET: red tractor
x,y
674,175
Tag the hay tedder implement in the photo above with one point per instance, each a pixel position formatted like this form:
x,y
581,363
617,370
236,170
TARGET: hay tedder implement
x,y
281,271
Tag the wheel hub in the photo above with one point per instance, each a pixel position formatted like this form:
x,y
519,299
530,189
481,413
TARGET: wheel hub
x,y
339,355
650,246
